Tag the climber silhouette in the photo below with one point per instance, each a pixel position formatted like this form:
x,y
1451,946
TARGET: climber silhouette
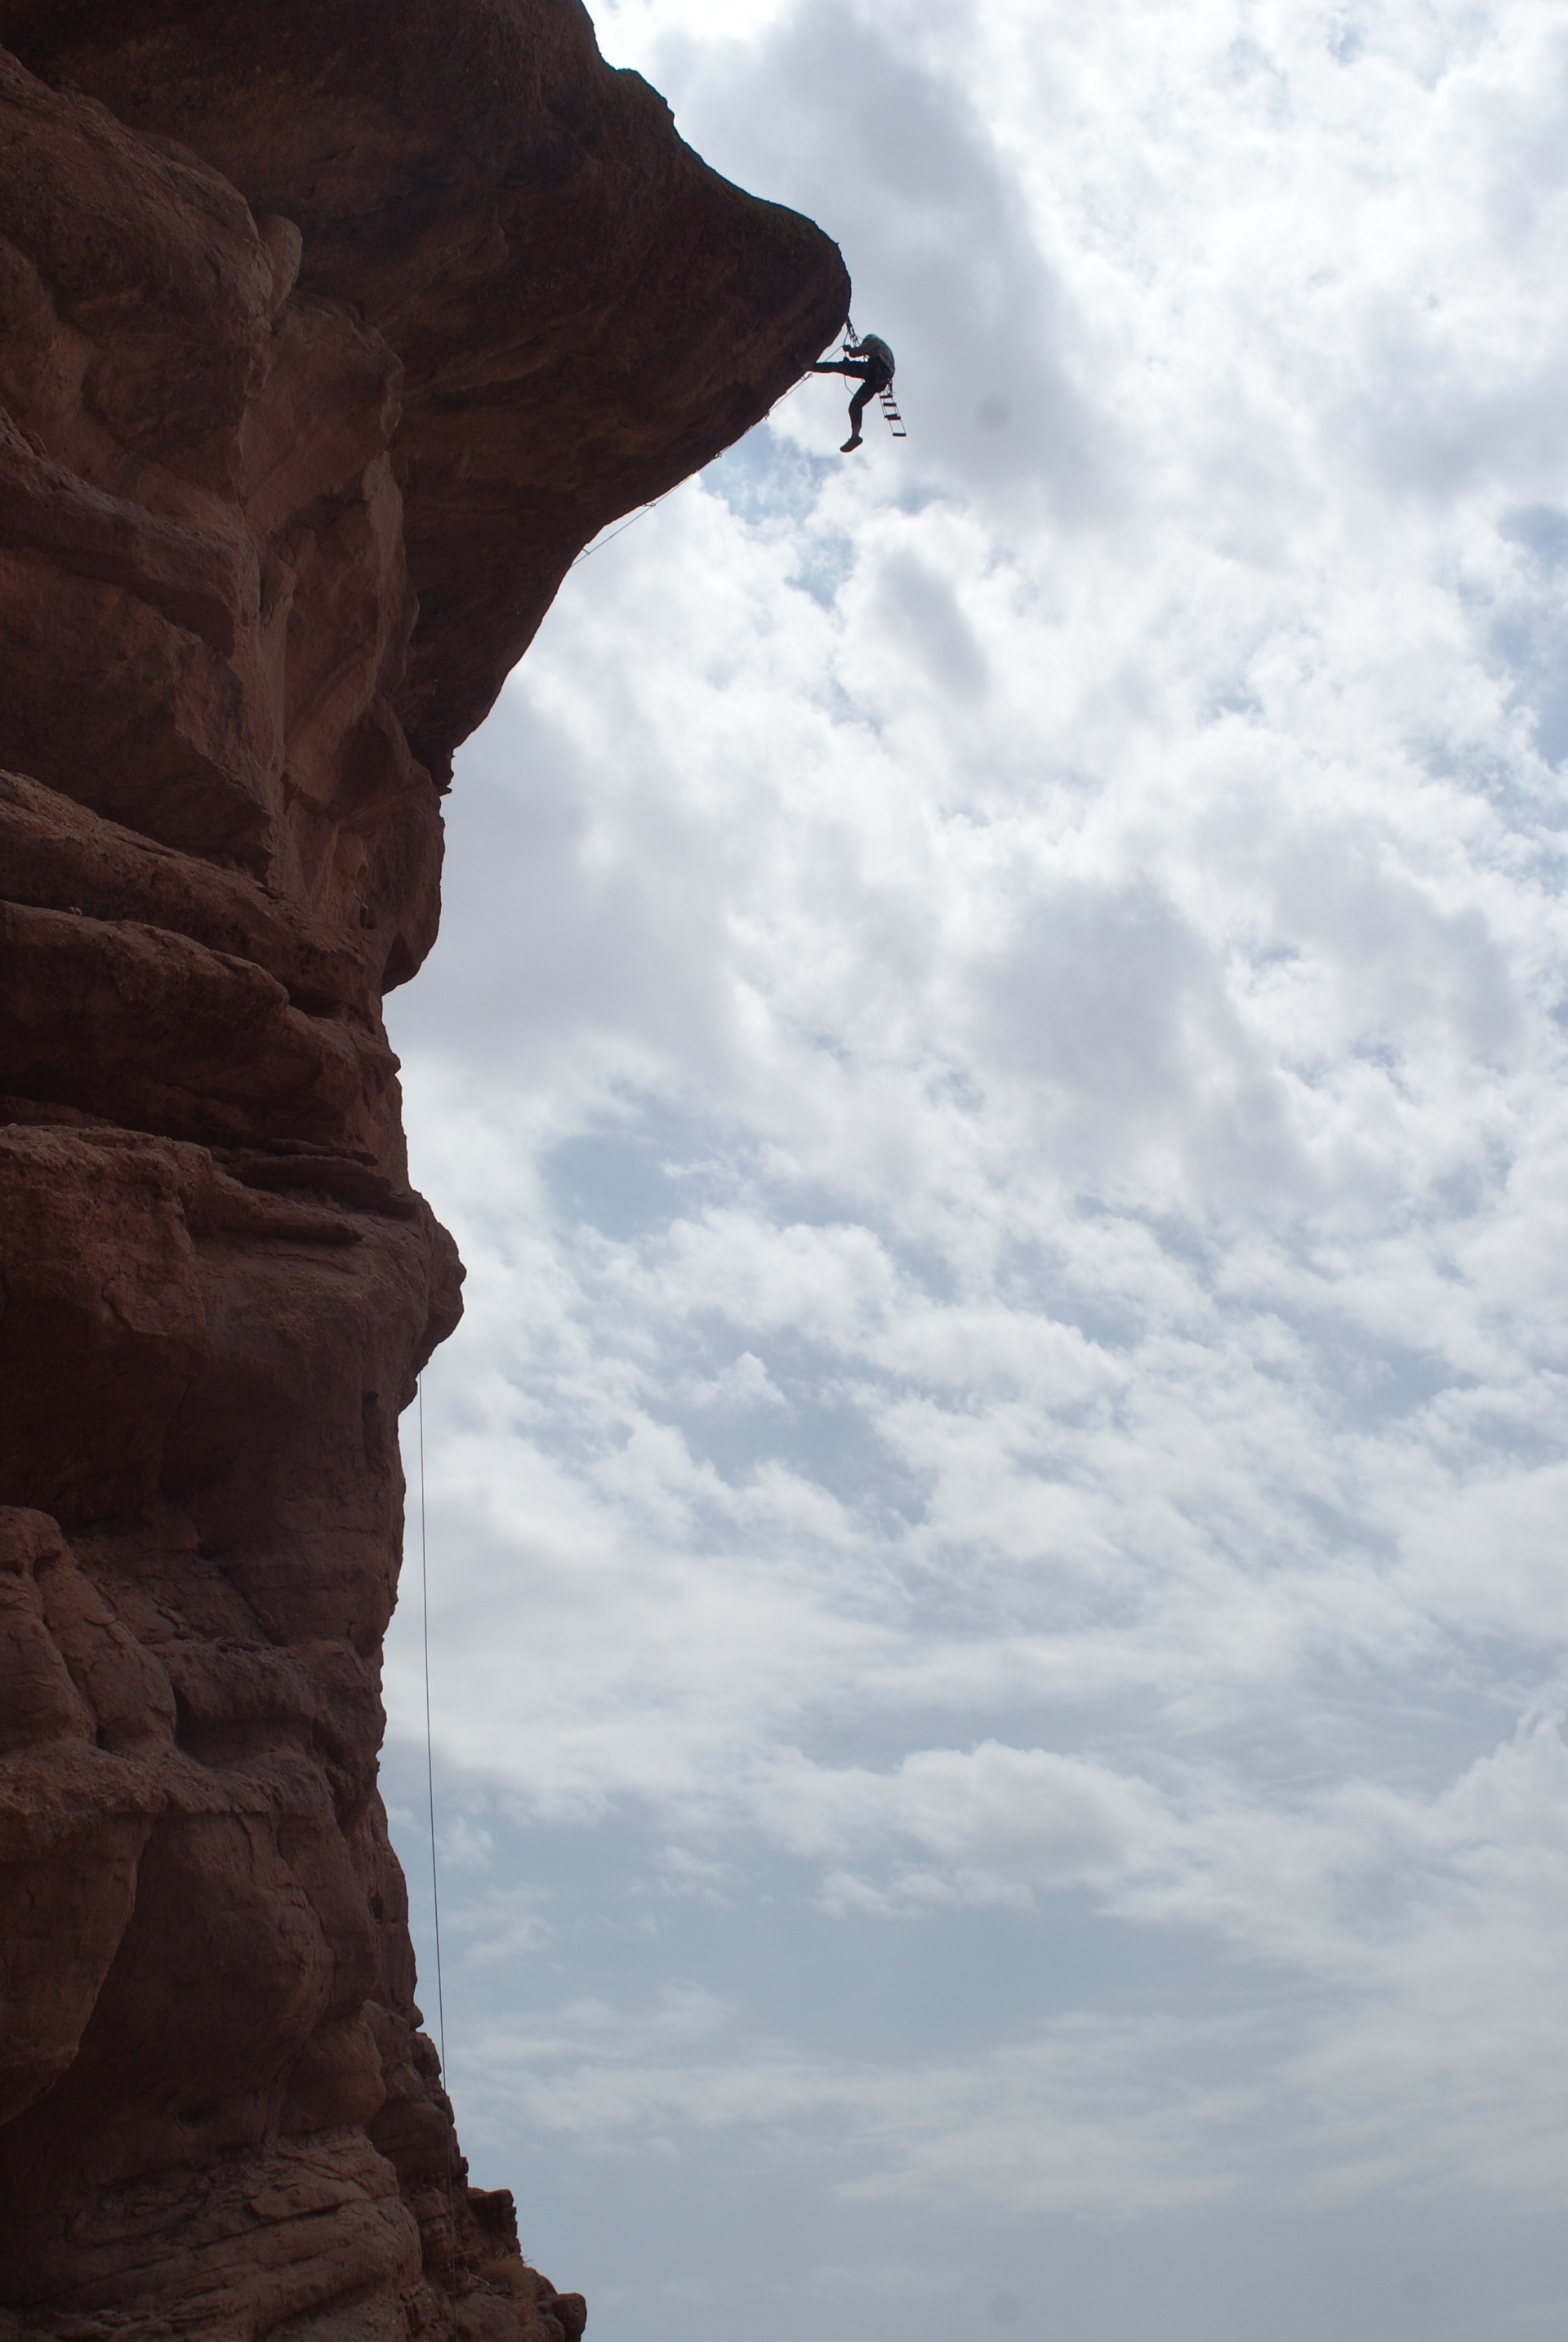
x,y
870,363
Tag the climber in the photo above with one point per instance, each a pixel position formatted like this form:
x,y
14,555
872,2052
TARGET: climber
x,y
869,362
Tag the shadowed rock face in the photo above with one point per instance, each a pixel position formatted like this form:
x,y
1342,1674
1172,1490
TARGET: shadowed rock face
x,y
330,330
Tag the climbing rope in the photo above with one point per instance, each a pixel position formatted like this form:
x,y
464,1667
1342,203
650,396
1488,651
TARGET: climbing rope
x,y
889,407
435,1884
601,542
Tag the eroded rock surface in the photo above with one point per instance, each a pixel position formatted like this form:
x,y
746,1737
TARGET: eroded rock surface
x,y
329,332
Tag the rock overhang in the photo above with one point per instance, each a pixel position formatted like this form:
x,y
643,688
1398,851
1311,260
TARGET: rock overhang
x,y
583,312
330,331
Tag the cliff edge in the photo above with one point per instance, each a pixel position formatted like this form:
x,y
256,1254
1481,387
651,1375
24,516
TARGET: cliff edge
x,y
330,331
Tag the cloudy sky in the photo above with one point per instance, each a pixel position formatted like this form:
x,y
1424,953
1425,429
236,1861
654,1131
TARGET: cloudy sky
x,y
999,1059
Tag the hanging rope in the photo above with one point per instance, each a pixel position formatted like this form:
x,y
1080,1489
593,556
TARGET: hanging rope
x,y
642,510
641,514
600,542
435,1884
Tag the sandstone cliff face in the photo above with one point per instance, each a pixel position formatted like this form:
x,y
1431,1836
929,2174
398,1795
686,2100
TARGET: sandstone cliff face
x,y
329,332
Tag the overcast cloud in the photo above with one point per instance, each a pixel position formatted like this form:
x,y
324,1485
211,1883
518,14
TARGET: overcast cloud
x,y
997,1060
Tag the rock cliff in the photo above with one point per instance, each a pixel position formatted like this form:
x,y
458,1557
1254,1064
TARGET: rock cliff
x,y
330,331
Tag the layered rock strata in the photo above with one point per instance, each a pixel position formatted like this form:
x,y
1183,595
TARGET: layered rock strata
x,y
330,331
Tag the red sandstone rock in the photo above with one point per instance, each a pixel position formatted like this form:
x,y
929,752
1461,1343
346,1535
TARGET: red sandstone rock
x,y
329,332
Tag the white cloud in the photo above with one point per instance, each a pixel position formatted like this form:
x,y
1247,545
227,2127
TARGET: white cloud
x,y
997,1061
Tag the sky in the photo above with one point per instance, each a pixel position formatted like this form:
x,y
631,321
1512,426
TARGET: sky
x,y
997,1059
